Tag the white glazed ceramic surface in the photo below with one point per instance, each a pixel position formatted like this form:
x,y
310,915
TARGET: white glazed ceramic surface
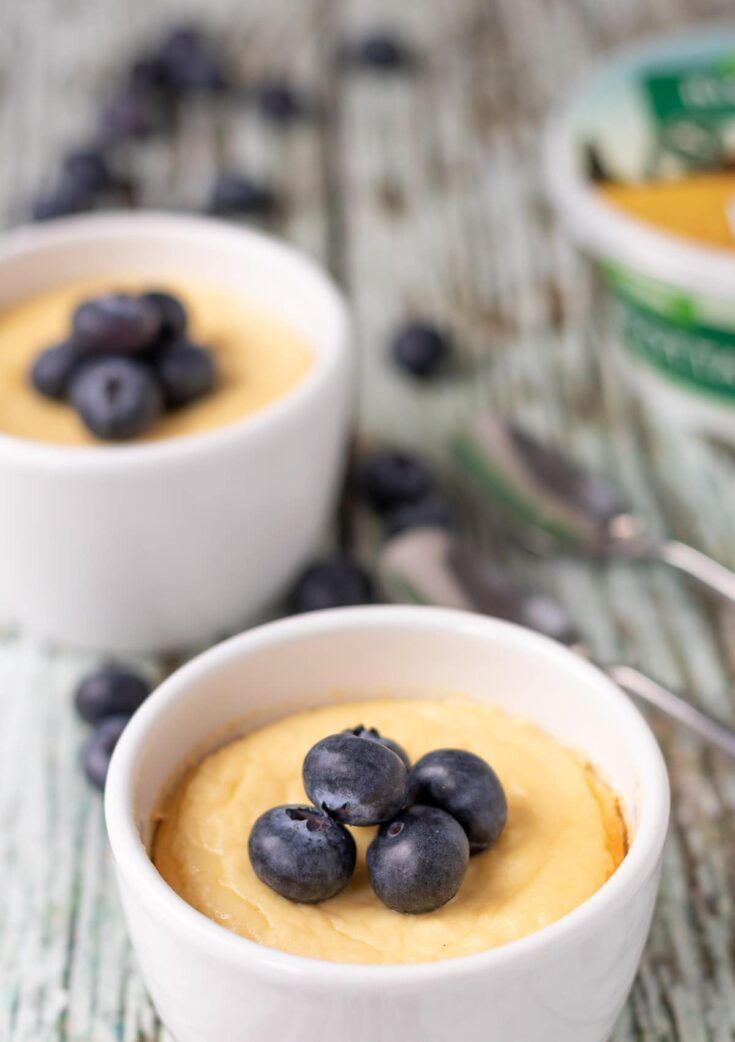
x,y
566,983
164,545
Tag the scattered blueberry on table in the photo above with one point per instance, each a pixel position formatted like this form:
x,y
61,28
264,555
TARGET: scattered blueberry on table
x,y
356,780
390,478
429,512
301,853
148,73
332,583
100,746
107,698
373,735
381,51
63,199
278,103
417,861
238,195
421,349
188,60
127,360
110,691
466,787
131,112
90,168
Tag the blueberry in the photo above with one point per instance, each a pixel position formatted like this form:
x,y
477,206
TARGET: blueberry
x,y
357,782
131,112
390,479
172,315
464,786
184,372
99,748
116,398
89,168
190,62
430,512
148,73
278,102
421,349
116,324
382,51
64,198
332,583
301,853
53,369
417,861
109,691
234,194
373,734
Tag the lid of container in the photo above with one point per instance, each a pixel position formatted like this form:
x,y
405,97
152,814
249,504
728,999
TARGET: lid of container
x,y
641,159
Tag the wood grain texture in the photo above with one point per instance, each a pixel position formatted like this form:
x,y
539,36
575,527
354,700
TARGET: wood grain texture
x,y
423,194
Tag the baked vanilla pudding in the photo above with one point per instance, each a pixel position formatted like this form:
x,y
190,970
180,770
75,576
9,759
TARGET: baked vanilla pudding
x,y
256,357
564,836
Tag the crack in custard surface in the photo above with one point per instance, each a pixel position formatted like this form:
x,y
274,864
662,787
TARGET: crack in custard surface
x,y
564,837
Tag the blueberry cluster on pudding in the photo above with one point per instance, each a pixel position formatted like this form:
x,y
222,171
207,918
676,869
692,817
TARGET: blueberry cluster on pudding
x,y
431,818
113,359
394,843
126,359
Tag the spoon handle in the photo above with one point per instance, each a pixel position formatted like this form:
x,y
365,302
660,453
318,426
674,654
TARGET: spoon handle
x,y
698,565
708,727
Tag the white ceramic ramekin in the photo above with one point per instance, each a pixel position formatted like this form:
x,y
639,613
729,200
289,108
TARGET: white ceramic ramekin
x,y
566,983
167,544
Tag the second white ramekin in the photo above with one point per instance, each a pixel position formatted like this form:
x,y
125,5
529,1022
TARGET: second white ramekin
x,y
565,983
164,545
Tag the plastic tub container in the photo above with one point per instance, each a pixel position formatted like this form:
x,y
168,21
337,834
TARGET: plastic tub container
x,y
640,162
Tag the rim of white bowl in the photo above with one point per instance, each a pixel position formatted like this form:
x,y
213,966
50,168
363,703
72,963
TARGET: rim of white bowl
x,y
607,232
139,872
327,358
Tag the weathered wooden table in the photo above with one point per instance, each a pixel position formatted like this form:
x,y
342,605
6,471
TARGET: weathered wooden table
x,y
422,193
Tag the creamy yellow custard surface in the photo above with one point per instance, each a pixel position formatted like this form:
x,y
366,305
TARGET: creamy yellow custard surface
x,y
698,208
258,358
564,838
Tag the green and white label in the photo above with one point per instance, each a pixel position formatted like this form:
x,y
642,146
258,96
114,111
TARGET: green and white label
x,y
705,91
700,356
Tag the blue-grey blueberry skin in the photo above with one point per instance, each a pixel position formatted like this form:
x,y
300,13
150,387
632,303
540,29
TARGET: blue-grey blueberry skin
x,y
184,371
116,398
116,323
301,853
430,512
172,314
89,168
238,194
374,735
417,862
389,479
421,349
100,746
53,369
109,691
466,787
357,782
334,582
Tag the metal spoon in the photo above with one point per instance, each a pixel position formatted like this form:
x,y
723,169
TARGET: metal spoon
x,y
433,566
563,506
